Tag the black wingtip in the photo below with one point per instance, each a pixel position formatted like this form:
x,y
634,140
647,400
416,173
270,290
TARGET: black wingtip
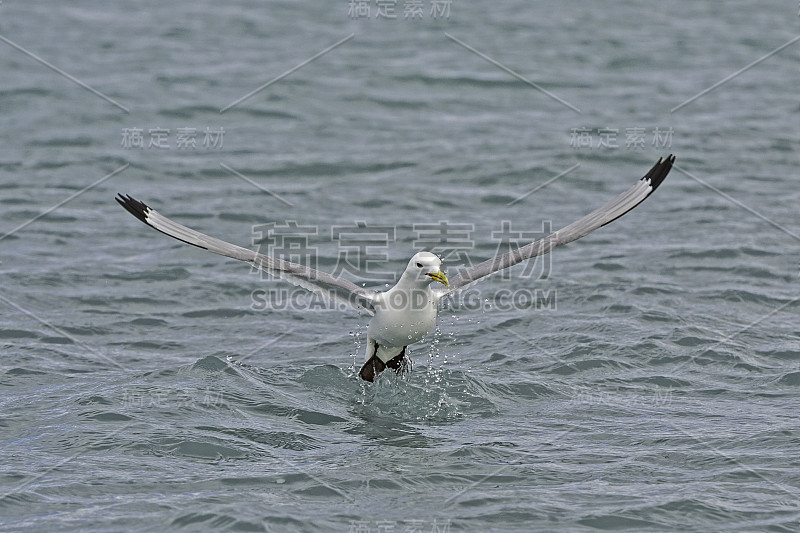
x,y
133,206
659,171
142,211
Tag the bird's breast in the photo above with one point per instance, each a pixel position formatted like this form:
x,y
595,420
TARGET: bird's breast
x,y
403,319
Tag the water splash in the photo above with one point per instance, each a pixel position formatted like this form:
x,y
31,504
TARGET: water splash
x,y
357,335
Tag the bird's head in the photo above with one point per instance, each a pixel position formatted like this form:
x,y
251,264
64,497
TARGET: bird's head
x,y
425,268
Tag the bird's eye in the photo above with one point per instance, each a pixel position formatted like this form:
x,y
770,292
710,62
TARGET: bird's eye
x,y
419,265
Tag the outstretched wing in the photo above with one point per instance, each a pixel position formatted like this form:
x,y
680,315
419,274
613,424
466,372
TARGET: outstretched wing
x,y
328,286
580,228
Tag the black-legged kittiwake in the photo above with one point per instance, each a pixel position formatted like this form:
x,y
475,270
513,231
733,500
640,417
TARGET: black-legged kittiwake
x,y
405,313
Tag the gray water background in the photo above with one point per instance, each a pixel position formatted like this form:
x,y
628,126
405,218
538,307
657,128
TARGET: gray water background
x,y
141,391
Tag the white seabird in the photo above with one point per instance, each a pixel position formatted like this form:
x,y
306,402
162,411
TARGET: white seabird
x,y
405,313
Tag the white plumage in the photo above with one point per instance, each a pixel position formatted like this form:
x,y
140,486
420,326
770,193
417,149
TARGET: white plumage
x,y
406,312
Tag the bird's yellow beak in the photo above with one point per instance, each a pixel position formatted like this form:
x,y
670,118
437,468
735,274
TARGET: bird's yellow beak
x,y
440,277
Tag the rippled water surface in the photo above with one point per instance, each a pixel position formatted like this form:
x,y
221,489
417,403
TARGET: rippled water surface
x,y
654,387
